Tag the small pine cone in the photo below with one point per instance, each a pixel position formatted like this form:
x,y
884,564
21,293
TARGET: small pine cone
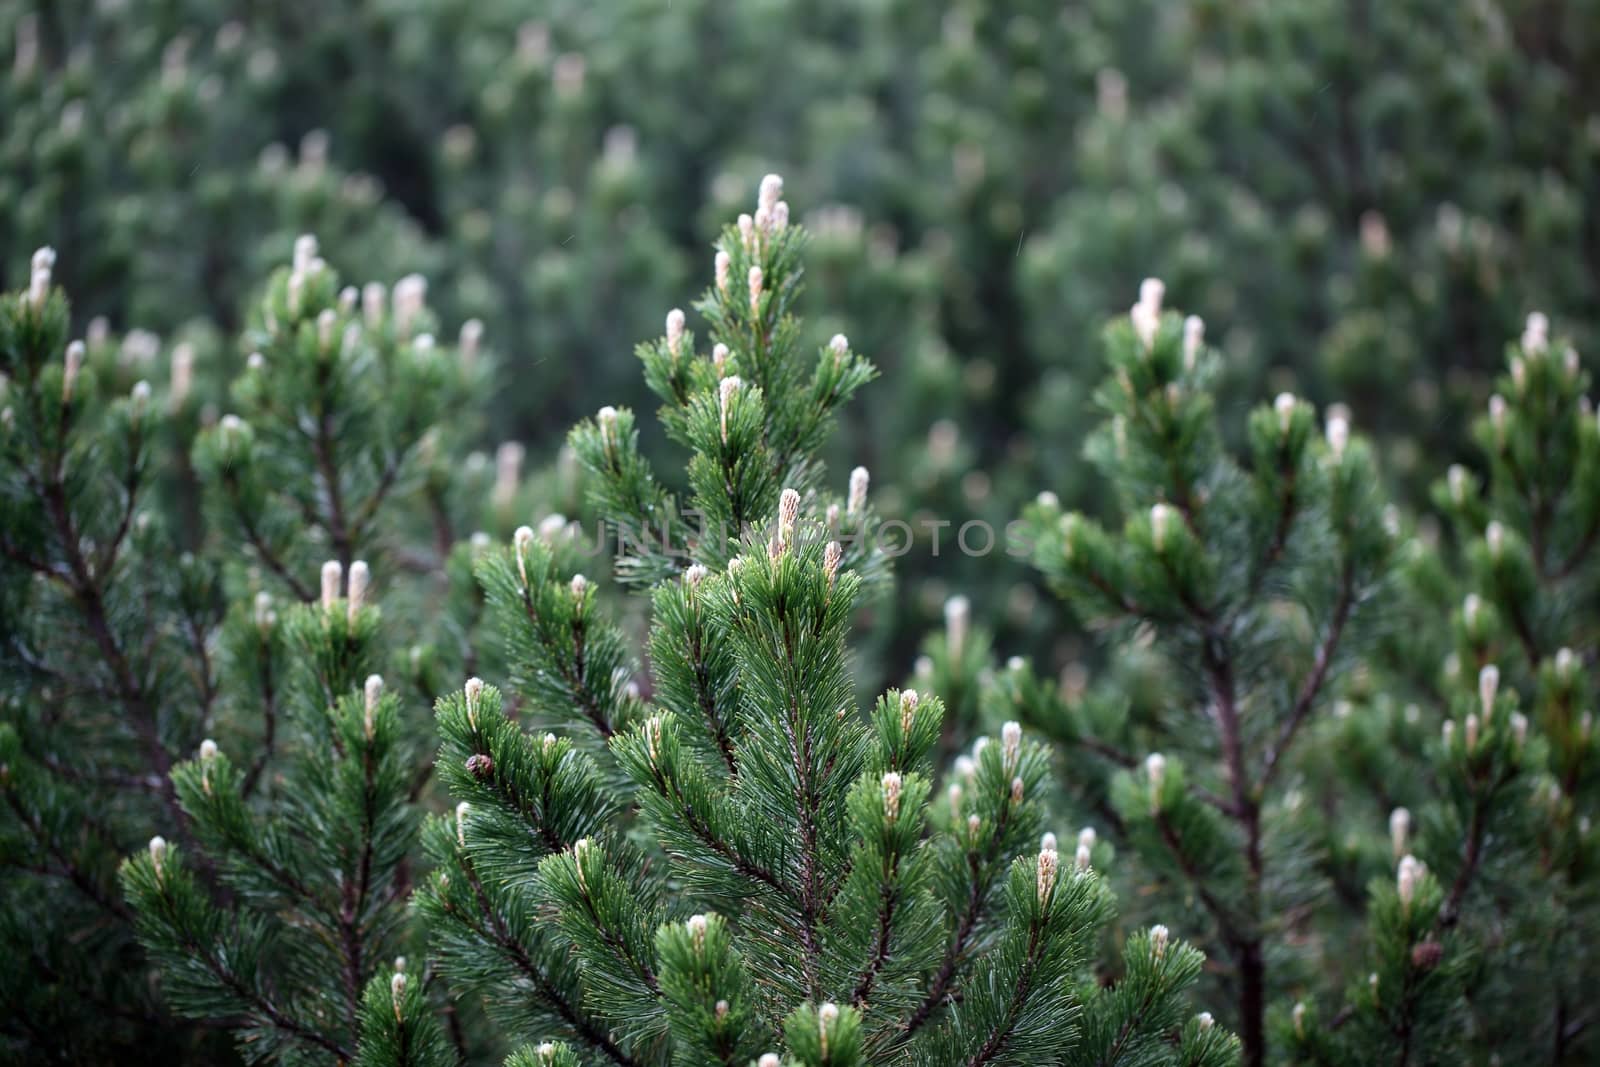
x,y
1425,955
480,765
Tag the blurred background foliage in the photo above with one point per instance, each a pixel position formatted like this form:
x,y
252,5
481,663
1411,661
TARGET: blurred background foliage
x,y
1362,198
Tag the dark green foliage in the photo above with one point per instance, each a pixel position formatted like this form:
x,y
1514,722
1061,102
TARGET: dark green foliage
x,y
1283,878
1346,748
841,913
1255,582
95,700
137,625
316,887
1362,198
754,414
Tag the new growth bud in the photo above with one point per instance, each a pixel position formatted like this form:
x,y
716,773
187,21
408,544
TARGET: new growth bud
x,y
473,690
158,853
859,480
181,375
44,261
723,264
1011,744
1146,314
372,692
74,367
1497,418
1338,431
139,399
374,297
756,282
1284,405
771,191
1158,940
1194,335
697,931
1566,664
507,471
410,293
726,390
265,616
360,579
831,558
1162,517
1399,830
332,578
891,796
1408,877
957,620
827,1019
1536,334
1048,865
305,250
1155,767
1488,687
908,709
652,737
674,330
1495,537
788,517
521,542
469,340
397,992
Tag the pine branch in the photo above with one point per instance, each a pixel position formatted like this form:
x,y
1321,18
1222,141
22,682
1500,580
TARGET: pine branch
x,y
1306,698
982,873
495,932
69,867
269,719
354,898
169,906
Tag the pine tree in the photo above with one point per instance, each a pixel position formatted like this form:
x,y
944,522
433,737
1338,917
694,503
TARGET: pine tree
x,y
124,655
96,697
298,958
1479,737
1255,580
738,859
